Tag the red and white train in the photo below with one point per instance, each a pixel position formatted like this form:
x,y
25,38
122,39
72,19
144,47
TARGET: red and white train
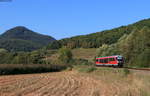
x,y
115,61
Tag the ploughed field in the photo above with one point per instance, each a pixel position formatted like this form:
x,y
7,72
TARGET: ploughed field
x,y
71,83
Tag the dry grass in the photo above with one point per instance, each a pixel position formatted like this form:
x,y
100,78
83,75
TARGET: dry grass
x,y
80,53
135,83
101,82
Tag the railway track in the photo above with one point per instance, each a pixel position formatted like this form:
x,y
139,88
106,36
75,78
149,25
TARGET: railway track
x,y
144,69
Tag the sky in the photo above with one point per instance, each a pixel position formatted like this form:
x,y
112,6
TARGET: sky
x,y
66,18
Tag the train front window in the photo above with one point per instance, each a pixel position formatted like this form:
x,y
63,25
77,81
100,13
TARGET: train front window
x,y
119,58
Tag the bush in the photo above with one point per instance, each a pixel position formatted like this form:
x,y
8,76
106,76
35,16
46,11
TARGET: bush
x,y
126,71
65,55
6,69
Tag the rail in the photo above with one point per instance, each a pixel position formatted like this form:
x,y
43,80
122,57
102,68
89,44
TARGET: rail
x,y
145,69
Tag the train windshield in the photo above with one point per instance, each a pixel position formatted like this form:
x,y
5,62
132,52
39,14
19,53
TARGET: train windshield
x,y
120,58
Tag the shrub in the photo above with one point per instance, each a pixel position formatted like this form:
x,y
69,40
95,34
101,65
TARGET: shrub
x,y
6,69
65,55
126,71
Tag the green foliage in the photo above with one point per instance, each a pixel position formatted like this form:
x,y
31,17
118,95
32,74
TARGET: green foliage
x,y
35,57
142,60
23,39
18,45
28,62
53,45
3,50
83,65
132,41
95,40
126,71
7,69
65,55
134,47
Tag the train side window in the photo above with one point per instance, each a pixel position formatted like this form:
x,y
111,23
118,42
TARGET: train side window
x,y
106,60
103,60
100,60
111,59
96,60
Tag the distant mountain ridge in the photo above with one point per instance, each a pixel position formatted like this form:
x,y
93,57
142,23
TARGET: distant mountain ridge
x,y
21,38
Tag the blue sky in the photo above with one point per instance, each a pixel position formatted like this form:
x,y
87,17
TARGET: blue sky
x,y
66,18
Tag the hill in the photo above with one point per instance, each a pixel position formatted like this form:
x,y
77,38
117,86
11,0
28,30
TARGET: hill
x,y
135,47
132,41
22,39
97,39
133,44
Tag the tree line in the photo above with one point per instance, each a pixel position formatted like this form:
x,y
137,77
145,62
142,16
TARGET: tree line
x,y
95,40
135,47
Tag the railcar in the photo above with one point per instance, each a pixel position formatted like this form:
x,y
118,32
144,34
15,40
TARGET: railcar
x,y
114,61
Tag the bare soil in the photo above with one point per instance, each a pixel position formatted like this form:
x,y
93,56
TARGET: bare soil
x,y
69,83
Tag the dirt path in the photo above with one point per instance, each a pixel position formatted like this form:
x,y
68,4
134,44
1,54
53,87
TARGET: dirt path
x,y
56,84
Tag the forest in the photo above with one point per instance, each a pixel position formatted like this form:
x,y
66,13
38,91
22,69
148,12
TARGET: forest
x,y
131,41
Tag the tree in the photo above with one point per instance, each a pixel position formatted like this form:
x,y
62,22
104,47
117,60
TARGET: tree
x,y
3,50
65,55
